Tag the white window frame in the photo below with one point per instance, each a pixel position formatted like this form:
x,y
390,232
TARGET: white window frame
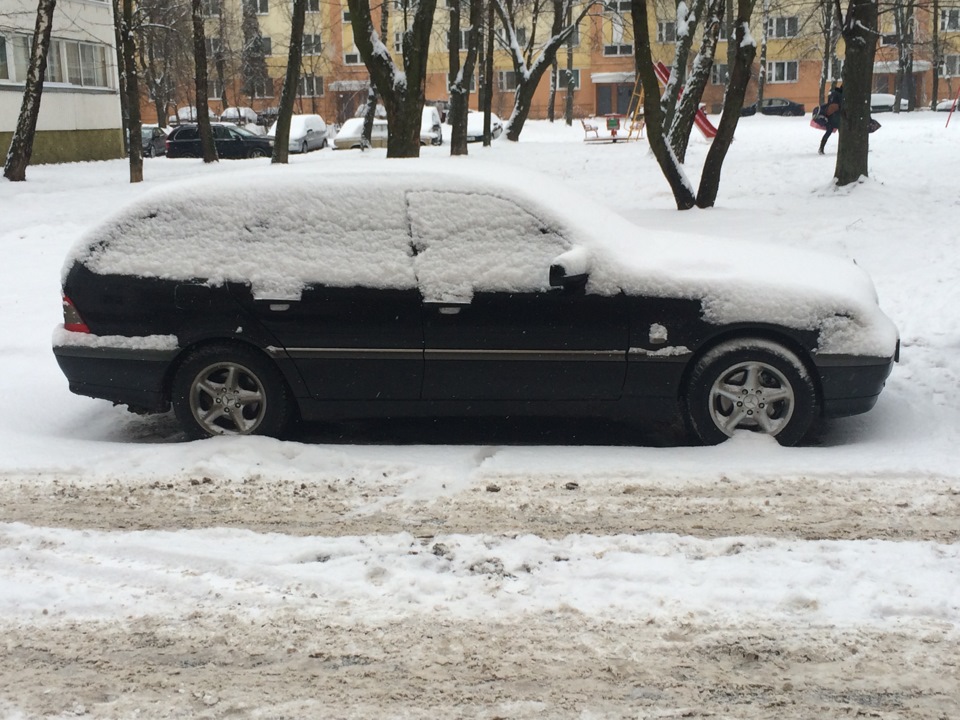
x,y
213,45
5,64
214,89
786,66
783,27
347,17
521,33
719,74
617,50
562,85
950,67
666,31
503,78
950,19
835,71
307,87
211,8
266,45
398,41
313,6
261,7
352,58
312,44
617,7
464,35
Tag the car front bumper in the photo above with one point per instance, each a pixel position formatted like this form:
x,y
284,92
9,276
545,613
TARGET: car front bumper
x,y
852,384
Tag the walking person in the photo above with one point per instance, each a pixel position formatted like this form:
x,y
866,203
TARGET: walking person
x,y
832,114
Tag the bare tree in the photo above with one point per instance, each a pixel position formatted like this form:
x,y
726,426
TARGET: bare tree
x,y
402,91
904,17
859,31
460,75
655,105
21,145
253,63
165,48
208,147
131,88
530,68
291,81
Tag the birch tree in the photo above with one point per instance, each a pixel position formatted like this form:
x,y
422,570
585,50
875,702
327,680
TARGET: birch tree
x,y
21,144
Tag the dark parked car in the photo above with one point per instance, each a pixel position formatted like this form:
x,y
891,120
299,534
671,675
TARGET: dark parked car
x,y
232,142
153,140
390,293
775,106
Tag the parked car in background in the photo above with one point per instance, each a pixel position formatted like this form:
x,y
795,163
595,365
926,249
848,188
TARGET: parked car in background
x,y
153,140
455,292
349,135
946,105
232,142
475,126
775,106
307,132
431,128
884,102
239,116
189,115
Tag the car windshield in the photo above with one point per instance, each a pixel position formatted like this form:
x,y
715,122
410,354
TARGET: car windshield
x,y
243,131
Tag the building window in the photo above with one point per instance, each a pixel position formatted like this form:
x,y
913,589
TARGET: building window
x,y
464,38
312,44
214,89
575,37
617,7
785,71
563,78
347,19
783,27
507,81
4,65
210,8
313,6
258,7
666,32
950,19
311,86
621,49
266,45
398,42
263,88
521,36
836,69
54,62
950,66
213,46
719,74
352,58
888,40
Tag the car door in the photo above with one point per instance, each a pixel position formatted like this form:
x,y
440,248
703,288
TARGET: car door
x,y
229,144
493,328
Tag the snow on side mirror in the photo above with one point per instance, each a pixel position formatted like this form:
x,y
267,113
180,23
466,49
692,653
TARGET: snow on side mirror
x,y
570,269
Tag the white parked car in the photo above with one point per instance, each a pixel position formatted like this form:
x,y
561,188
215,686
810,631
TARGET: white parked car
x,y
307,132
475,126
883,102
239,116
431,129
351,131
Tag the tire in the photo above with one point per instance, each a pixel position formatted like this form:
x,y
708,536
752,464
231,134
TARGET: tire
x,y
257,153
259,401
150,152
303,147
750,384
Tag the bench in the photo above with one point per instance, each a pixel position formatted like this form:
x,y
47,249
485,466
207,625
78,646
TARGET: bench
x,y
589,128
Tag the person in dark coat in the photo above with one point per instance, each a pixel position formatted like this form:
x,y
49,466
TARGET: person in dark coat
x,y
832,113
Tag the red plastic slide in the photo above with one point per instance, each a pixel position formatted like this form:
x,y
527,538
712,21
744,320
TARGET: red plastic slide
x,y
700,119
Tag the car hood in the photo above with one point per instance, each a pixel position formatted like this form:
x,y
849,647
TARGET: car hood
x,y
740,281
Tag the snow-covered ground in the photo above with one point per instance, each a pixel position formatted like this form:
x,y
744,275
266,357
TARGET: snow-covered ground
x,y
500,569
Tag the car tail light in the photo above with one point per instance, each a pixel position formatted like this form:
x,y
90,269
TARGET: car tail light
x,y
71,317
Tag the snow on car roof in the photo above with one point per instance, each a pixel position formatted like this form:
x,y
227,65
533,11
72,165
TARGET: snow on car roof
x,y
283,228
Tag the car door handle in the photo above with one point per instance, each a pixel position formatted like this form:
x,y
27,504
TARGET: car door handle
x,y
279,307
449,310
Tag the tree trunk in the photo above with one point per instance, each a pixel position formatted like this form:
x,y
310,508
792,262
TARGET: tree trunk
x,y
21,145
460,77
369,113
281,142
488,72
402,92
733,102
762,71
568,100
208,147
860,36
653,112
935,90
132,88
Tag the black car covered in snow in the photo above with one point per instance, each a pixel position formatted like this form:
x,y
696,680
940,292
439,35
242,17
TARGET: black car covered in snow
x,y
245,304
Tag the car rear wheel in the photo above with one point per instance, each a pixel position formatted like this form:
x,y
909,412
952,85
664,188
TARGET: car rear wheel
x,y
750,384
303,146
257,153
149,151
230,390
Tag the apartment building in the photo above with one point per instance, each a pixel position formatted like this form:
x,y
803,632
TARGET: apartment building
x,y
334,80
80,108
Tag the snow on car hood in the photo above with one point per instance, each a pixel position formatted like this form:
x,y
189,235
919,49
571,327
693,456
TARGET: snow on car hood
x,y
297,225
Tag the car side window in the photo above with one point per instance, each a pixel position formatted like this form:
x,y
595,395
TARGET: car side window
x,y
221,133
469,242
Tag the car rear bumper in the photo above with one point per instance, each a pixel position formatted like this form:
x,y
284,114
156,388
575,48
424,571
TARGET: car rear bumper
x,y
852,384
133,377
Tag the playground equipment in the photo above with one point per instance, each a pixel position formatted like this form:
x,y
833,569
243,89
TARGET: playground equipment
x,y
953,107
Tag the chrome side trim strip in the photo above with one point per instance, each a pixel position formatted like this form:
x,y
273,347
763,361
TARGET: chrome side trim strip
x,y
300,353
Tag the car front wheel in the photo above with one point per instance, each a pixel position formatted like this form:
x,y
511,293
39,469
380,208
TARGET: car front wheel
x,y
750,384
230,390
257,153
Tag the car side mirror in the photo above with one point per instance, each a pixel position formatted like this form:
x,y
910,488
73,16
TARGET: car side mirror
x,y
571,270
